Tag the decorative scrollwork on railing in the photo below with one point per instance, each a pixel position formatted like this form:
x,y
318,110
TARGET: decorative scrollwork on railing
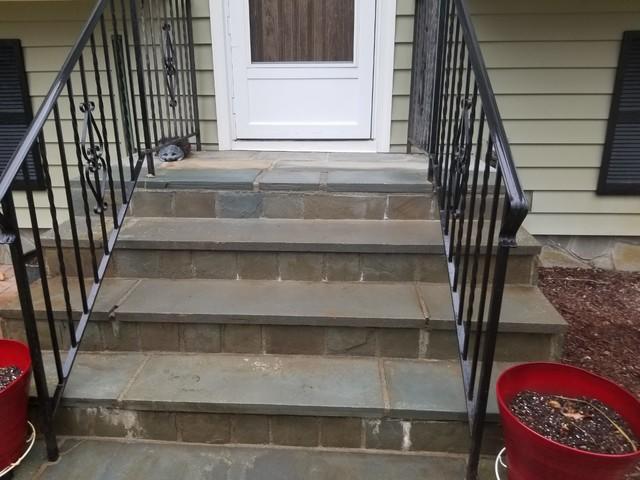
x,y
95,167
170,64
462,155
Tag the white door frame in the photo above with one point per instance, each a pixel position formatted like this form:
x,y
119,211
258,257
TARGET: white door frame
x,y
382,88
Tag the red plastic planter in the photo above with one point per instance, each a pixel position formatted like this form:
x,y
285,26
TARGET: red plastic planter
x,y
13,403
531,456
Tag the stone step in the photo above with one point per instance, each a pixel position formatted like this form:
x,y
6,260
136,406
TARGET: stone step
x,y
301,401
138,459
286,249
320,318
371,187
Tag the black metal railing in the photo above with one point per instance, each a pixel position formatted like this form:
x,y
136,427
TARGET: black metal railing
x,y
482,204
126,89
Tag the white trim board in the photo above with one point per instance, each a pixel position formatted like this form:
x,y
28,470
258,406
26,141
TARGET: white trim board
x,y
382,88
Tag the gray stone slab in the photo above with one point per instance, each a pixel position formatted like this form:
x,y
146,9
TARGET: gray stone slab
x,y
388,181
291,180
259,384
431,390
270,302
122,460
111,292
524,309
425,389
97,378
102,376
384,236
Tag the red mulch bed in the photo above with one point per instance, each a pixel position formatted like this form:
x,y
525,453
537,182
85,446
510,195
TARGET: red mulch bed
x,y
602,309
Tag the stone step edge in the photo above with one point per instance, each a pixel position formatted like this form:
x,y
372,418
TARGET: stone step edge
x,y
365,435
306,236
431,309
393,383
298,180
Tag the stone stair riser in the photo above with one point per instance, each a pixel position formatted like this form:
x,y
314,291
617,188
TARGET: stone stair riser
x,y
283,430
265,265
133,336
291,204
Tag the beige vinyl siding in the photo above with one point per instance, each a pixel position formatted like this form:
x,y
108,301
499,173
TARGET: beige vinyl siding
x,y
552,64
402,74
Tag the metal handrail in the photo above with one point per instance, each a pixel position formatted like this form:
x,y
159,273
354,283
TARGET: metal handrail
x,y
96,124
513,189
455,119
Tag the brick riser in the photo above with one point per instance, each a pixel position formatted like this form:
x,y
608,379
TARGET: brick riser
x,y
259,265
132,336
284,430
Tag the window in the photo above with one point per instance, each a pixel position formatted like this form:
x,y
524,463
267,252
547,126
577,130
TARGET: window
x,y
620,170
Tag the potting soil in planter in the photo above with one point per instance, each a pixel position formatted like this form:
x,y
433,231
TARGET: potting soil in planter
x,y
581,423
8,375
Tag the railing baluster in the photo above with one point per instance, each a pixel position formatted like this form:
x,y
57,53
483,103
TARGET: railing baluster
x,y
145,22
105,136
92,156
85,198
37,241
168,93
461,197
182,20
148,147
174,37
192,71
450,130
70,206
470,226
457,135
129,74
445,118
488,263
155,22
114,121
61,262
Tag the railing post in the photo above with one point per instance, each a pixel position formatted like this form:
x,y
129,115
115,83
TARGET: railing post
x,y
137,48
31,330
436,97
194,84
489,347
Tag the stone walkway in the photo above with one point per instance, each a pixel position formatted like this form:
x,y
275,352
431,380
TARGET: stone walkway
x,y
128,460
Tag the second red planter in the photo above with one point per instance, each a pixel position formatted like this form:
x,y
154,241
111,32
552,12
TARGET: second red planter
x,y
530,456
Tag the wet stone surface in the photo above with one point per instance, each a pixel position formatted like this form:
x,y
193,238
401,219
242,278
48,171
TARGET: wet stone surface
x,y
582,423
8,375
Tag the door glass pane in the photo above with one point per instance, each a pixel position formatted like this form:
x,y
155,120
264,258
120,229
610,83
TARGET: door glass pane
x,y
301,30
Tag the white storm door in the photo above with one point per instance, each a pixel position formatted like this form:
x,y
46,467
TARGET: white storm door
x,y
302,69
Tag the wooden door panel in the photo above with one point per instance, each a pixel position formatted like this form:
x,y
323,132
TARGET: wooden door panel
x,y
301,30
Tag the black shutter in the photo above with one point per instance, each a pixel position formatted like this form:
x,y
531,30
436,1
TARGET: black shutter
x,y
620,171
15,111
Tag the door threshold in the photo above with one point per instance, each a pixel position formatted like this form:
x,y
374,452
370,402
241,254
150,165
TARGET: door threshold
x,y
355,146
